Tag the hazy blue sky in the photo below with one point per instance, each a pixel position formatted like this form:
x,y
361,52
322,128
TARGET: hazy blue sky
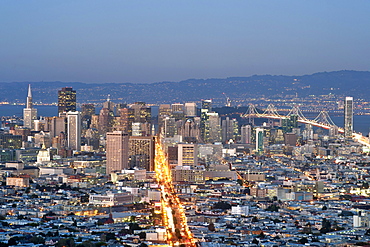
x,y
150,41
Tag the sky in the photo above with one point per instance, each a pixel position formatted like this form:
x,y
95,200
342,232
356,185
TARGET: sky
x,y
165,40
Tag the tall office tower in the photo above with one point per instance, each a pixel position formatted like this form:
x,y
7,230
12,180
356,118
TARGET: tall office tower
x,y
228,129
206,107
189,131
178,111
141,152
259,140
207,104
333,131
187,154
126,118
120,106
142,113
246,133
177,107
348,117
163,112
66,100
74,130
212,129
169,127
307,133
94,122
87,110
105,121
288,124
190,109
55,125
117,151
109,104
29,113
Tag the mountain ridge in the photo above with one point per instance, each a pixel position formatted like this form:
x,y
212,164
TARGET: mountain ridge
x,y
341,83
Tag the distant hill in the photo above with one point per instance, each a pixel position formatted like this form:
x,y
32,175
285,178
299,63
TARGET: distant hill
x,y
341,83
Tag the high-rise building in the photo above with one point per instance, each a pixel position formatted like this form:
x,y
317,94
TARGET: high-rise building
x,y
212,128
164,111
55,125
229,127
169,127
178,111
87,110
190,109
117,150
74,130
66,100
177,107
105,121
142,113
206,107
189,130
288,124
29,113
207,104
348,117
246,134
141,152
187,154
109,104
259,140
126,118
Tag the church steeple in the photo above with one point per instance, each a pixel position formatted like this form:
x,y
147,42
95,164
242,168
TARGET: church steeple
x,y
29,97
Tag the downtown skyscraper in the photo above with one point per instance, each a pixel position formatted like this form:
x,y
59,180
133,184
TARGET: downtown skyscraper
x,y
117,151
348,117
66,100
74,130
29,113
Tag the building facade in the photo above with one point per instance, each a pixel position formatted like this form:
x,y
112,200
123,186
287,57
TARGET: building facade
x,y
66,100
348,117
117,151
29,113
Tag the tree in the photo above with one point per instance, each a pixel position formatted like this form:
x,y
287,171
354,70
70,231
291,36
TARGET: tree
x,y
66,242
110,236
272,208
365,185
303,240
134,226
326,226
222,205
37,240
142,235
13,241
254,219
255,241
324,207
211,227
87,243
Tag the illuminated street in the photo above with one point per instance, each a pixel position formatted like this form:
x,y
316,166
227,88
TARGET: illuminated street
x,y
173,214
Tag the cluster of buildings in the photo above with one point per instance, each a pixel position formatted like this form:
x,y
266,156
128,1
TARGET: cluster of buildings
x,y
90,177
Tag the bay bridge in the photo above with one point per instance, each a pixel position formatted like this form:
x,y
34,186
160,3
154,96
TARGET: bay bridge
x,y
323,120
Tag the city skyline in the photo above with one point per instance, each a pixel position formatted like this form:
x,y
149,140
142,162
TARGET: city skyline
x,y
143,42
107,141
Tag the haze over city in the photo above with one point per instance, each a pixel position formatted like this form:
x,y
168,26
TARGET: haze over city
x,y
153,41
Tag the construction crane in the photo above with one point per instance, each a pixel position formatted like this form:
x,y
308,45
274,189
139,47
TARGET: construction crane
x,y
228,100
